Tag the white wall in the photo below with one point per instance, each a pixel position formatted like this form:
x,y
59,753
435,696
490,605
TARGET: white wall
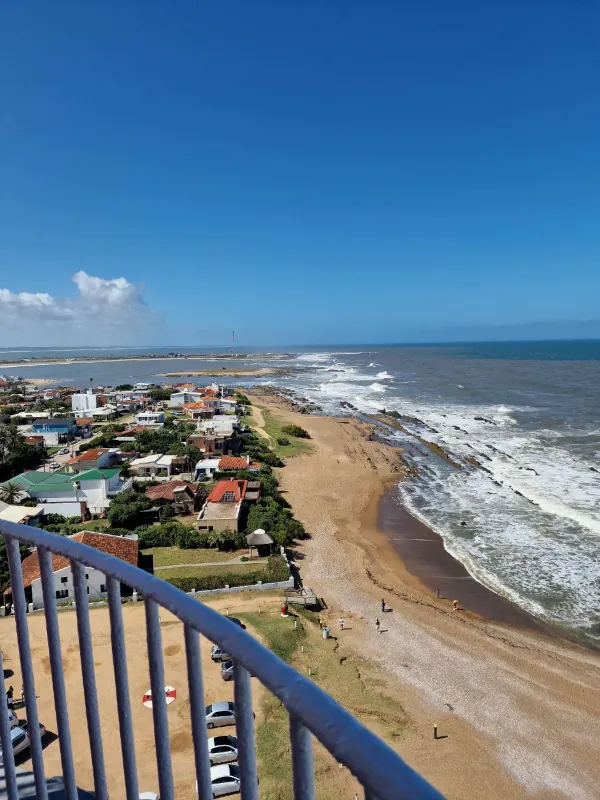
x,y
83,402
95,583
66,508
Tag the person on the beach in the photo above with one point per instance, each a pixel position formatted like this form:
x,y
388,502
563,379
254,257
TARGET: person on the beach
x,y
378,626
438,593
383,606
320,622
455,605
341,623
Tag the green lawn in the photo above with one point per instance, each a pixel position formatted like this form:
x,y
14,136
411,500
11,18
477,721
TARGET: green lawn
x,y
273,429
171,556
53,450
207,569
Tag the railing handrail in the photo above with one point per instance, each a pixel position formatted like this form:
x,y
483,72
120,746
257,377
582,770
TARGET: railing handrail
x,y
373,762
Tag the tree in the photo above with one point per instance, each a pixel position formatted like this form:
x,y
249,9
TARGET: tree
x,y
126,509
11,493
160,394
123,387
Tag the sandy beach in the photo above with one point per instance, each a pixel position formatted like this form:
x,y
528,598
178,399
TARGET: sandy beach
x,y
517,703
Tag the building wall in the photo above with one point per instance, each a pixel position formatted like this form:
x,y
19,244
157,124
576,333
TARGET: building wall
x,y
63,582
83,402
219,524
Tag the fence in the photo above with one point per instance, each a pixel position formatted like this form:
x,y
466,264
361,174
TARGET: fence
x,y
311,711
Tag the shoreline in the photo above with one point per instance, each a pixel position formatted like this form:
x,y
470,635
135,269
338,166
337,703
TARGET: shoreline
x,y
517,702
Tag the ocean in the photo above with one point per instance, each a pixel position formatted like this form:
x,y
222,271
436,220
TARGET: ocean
x,y
523,514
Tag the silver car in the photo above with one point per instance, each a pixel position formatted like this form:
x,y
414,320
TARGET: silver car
x,y
222,749
220,714
224,779
218,655
227,670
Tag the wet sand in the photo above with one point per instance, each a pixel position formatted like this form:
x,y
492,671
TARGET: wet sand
x,y
424,556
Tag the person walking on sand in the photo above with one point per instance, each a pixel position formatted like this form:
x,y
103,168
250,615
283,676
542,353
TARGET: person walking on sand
x,y
378,626
341,623
383,606
455,605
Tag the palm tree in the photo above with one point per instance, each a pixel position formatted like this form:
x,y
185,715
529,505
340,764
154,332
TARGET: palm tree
x,y
11,492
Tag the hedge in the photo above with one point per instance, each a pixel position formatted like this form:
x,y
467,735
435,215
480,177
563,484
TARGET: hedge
x,y
276,570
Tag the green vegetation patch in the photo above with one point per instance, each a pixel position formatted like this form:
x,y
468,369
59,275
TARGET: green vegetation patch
x,y
171,556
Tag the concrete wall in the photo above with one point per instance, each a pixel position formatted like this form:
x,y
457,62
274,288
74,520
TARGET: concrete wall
x,y
83,402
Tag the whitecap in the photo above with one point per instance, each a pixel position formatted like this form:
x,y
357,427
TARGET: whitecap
x,y
377,387
383,376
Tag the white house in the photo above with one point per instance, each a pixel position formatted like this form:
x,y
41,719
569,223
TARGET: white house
x,y
149,417
218,426
123,547
84,401
206,468
181,398
155,465
73,495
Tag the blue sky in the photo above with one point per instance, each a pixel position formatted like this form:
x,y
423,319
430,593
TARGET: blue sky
x,y
316,172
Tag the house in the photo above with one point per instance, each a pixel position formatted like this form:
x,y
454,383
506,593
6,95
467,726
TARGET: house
x,y
72,495
84,426
234,463
150,417
84,401
95,458
210,445
51,394
124,547
25,515
223,507
182,494
183,396
206,468
219,426
143,386
34,441
156,465
55,431
198,410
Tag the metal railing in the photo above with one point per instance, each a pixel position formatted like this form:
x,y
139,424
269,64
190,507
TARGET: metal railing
x,y
381,772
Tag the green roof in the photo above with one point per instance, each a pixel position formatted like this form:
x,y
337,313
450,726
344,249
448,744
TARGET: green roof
x,y
48,479
95,474
58,480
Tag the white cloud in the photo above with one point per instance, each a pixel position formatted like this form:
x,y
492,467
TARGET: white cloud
x,y
100,305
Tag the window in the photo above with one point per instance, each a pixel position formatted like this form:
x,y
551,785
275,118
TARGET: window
x,y
64,580
62,593
228,497
87,576
102,587
88,589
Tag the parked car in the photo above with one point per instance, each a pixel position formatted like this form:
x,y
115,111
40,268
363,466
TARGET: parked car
x,y
218,655
222,749
64,451
149,796
19,736
219,714
225,779
227,670
12,719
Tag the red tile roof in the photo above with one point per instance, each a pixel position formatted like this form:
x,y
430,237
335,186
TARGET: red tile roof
x,y
233,462
33,439
237,488
89,455
125,549
194,405
84,421
164,491
132,431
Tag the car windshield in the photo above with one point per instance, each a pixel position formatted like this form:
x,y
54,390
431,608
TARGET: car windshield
x,y
234,771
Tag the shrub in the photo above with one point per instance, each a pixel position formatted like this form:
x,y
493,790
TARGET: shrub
x,y
53,520
295,430
283,441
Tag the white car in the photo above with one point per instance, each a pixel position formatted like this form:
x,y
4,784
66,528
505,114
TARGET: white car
x,y
64,451
218,655
222,749
220,714
224,779
20,739
12,719
149,796
227,670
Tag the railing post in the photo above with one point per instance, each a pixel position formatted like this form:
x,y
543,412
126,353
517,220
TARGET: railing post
x,y
302,760
159,705
33,723
244,716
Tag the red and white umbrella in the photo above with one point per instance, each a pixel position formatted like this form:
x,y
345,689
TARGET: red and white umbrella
x,y
170,694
